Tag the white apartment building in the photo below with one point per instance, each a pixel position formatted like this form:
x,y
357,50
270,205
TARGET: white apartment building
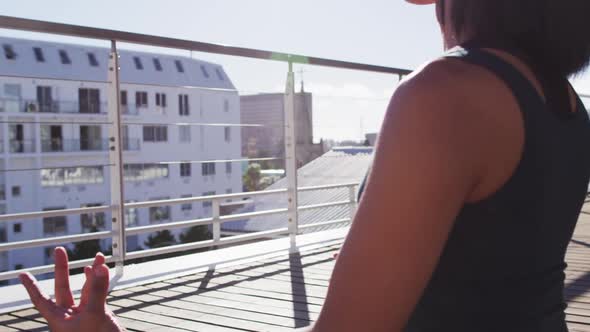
x,y
54,132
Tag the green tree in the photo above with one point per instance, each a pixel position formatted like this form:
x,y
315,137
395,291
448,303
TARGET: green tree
x,y
252,177
160,239
195,234
87,249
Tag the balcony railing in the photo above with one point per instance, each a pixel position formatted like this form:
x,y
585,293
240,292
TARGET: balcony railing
x,y
22,146
131,144
73,145
117,144
8,105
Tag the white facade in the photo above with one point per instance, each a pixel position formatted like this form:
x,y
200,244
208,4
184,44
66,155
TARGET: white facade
x,y
53,116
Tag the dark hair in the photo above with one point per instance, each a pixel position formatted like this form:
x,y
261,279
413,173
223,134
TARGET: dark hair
x,y
554,33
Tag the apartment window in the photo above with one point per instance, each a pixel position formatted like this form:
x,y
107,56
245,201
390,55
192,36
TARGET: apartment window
x,y
204,71
179,66
71,176
123,98
207,204
161,99
16,191
17,228
141,99
184,133
219,74
226,105
2,235
92,222
89,100
9,52
144,172
138,64
39,54
19,267
227,133
208,169
229,191
155,133
159,214
183,107
157,64
92,59
228,167
131,216
55,225
64,57
186,207
185,169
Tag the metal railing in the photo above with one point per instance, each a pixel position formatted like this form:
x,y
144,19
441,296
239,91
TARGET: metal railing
x,y
74,145
22,146
117,144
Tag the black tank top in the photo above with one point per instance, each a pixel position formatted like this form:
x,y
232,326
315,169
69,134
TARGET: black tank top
x,y
502,268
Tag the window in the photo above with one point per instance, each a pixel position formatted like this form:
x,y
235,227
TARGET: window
x,y
159,214
55,225
9,52
207,204
16,191
227,134
184,133
138,64
155,133
141,99
144,172
123,98
89,100
179,66
157,64
185,169
17,228
92,59
226,105
19,267
229,191
186,207
204,71
228,167
39,54
64,57
161,99
2,235
219,74
131,216
71,176
183,107
92,222
208,169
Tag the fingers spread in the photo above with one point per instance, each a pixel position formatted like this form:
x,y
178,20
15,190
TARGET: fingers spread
x,y
98,289
63,294
42,302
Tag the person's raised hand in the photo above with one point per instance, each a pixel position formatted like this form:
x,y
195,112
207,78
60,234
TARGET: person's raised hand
x,y
63,315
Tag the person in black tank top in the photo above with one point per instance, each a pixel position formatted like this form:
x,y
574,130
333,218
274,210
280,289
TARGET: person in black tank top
x,y
482,249
480,173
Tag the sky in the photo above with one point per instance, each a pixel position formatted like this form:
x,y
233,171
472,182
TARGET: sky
x,y
347,104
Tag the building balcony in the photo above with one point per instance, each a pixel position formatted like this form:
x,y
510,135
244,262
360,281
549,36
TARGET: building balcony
x,y
59,107
22,146
73,145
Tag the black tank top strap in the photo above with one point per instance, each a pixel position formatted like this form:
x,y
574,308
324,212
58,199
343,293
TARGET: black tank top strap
x,y
522,88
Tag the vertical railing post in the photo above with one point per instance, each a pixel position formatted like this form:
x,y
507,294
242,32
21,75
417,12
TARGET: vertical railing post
x,y
116,161
290,157
216,222
353,202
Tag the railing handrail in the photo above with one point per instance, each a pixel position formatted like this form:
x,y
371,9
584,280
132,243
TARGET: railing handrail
x,y
16,23
147,204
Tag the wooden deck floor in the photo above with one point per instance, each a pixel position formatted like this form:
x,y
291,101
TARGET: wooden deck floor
x,y
276,294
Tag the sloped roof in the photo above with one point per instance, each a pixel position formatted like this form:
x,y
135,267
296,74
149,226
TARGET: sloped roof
x,y
196,73
338,166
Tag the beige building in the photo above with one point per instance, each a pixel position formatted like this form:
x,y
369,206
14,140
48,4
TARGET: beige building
x,y
268,110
